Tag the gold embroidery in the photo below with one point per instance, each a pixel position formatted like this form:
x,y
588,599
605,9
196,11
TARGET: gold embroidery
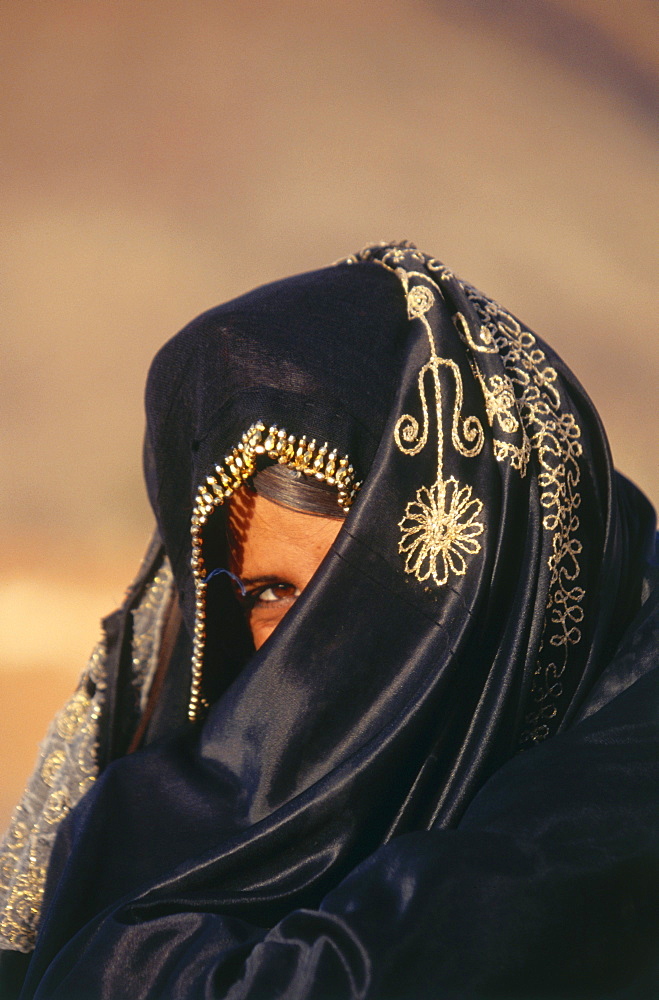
x,y
148,619
523,401
73,715
69,748
67,768
51,767
439,528
500,402
554,437
57,806
441,270
278,445
6,870
518,457
20,915
487,344
17,835
86,784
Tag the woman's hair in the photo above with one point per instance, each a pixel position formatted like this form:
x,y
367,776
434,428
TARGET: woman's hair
x,y
291,488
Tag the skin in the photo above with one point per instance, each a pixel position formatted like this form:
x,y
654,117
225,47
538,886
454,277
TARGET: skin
x,y
275,551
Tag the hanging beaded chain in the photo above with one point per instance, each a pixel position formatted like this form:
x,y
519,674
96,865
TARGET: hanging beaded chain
x,y
239,465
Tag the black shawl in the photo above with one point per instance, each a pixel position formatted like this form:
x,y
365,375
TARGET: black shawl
x,y
436,777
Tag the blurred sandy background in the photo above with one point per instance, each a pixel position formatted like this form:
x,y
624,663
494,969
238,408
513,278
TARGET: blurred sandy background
x,y
159,157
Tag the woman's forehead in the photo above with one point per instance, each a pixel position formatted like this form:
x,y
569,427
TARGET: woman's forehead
x,y
267,539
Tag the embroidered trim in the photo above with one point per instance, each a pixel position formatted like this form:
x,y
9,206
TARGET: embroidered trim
x,y
554,438
239,465
522,401
67,767
148,622
65,770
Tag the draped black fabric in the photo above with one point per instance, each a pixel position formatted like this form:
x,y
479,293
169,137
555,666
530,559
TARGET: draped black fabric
x,y
437,777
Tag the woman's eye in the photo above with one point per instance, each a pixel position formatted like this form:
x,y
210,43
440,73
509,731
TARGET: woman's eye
x,y
273,592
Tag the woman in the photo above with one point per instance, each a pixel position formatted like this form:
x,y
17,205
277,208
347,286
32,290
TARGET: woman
x,y
422,752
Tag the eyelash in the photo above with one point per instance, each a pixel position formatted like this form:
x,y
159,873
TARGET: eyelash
x,y
254,598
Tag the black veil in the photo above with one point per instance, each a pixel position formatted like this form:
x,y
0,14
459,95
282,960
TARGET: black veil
x,y
396,795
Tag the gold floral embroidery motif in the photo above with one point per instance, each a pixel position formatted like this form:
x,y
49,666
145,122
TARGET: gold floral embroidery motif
x,y
439,531
522,401
440,527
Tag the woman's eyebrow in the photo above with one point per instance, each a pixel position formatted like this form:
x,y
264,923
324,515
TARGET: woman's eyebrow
x,y
250,581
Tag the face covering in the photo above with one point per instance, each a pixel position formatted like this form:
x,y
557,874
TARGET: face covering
x,y
489,564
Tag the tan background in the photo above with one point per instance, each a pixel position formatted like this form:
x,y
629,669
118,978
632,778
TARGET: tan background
x,y
159,157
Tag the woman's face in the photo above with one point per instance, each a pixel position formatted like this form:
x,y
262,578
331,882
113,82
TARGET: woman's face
x,y
275,551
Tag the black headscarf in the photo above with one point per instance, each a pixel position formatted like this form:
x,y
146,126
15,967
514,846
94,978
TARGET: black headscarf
x,y
469,609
